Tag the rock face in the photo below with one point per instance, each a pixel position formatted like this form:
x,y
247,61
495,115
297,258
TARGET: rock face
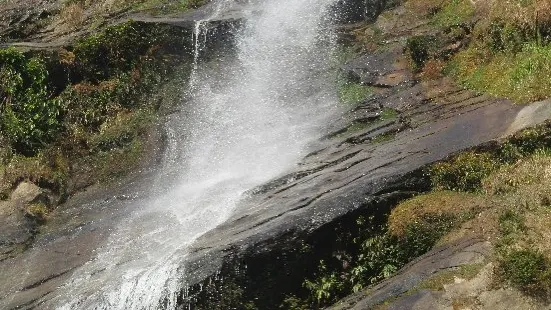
x,y
368,158
42,24
20,19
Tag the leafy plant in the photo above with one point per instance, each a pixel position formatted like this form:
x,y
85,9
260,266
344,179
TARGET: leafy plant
x,y
326,287
29,118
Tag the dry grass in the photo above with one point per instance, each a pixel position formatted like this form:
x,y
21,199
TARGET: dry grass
x,y
66,57
527,177
73,14
523,190
435,204
523,13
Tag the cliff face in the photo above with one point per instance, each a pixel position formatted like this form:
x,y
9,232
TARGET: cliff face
x,y
376,156
401,119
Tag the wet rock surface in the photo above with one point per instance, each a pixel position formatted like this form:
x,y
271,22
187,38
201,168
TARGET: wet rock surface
x,y
69,239
18,221
354,169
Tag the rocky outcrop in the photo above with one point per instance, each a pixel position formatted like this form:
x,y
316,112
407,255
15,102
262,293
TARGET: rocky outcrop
x,y
44,26
20,216
356,170
366,159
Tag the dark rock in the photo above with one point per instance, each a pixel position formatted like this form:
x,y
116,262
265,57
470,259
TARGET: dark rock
x,y
350,11
17,230
22,18
386,68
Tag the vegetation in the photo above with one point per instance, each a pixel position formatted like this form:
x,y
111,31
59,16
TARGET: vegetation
x,y
464,172
351,92
37,211
74,9
507,43
512,177
29,116
437,282
419,49
527,269
168,6
94,123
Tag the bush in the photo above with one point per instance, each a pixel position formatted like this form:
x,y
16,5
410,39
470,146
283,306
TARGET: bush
x,y
526,270
29,118
327,287
464,172
419,49
119,48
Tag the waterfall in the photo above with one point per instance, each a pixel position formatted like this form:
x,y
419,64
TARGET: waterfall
x,y
250,119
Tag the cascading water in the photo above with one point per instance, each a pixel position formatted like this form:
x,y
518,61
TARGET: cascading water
x,y
250,119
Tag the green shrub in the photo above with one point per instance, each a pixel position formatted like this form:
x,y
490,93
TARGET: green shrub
x,y
120,131
526,269
464,172
379,255
294,303
29,118
119,48
88,105
419,49
327,287
114,50
511,222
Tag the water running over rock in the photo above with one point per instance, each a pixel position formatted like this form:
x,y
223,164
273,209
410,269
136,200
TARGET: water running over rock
x,y
251,117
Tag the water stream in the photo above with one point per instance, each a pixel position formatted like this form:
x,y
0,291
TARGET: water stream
x,y
251,118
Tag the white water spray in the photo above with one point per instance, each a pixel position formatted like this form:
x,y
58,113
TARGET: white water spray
x,y
251,119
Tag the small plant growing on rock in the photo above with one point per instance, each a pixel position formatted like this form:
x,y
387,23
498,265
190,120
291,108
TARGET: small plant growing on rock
x,y
37,211
465,172
527,270
419,49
